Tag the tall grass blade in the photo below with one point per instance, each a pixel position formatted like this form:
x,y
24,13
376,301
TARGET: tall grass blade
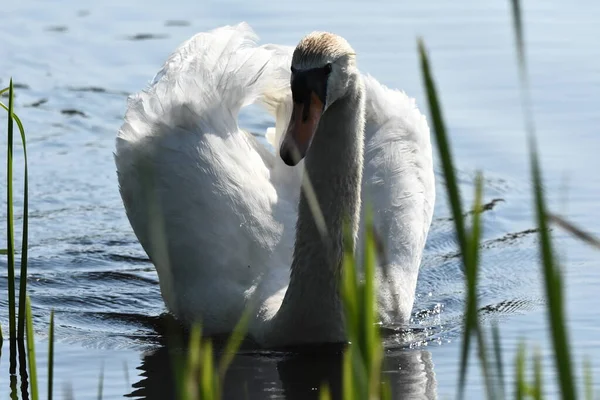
x,y
472,267
188,381
14,394
519,37
574,230
233,343
362,358
588,381
522,62
25,235
453,193
23,364
439,129
25,229
538,385
10,239
552,278
498,359
553,285
208,385
520,383
31,351
24,243
324,393
51,356
373,351
349,383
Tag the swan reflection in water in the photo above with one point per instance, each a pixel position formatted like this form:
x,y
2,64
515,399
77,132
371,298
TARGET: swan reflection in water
x,y
290,375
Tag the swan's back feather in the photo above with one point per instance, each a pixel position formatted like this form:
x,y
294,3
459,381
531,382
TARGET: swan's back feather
x,y
398,183
181,156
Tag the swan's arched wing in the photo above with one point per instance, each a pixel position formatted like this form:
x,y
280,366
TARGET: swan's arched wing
x,y
398,183
206,201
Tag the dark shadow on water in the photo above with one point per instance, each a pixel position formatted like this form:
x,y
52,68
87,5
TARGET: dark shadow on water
x,y
290,375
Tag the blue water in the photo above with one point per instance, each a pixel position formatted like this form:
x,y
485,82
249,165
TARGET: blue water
x,y
76,61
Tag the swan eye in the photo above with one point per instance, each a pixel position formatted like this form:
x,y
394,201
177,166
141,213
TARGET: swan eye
x,y
328,68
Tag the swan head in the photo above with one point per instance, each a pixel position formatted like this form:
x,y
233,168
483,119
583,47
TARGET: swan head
x,y
323,69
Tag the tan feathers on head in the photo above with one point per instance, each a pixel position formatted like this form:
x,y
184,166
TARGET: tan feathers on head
x,y
319,48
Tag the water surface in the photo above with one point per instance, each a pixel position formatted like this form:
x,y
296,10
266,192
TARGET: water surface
x,y
76,61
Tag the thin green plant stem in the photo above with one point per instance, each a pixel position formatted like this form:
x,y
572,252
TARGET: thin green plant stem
x,y
498,360
553,285
551,271
25,235
324,392
453,193
520,384
207,375
25,231
189,384
579,233
31,351
51,356
588,381
233,343
24,241
522,62
348,382
443,147
472,268
10,240
538,384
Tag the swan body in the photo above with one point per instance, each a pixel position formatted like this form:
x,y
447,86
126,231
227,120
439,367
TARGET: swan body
x,y
224,219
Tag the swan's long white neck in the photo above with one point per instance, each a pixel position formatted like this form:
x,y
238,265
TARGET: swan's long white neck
x,y
311,311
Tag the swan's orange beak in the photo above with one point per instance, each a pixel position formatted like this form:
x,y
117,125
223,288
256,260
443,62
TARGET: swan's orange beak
x,y
301,130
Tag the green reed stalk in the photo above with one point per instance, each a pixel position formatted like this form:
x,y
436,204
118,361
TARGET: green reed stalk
x,y
520,382
31,351
538,385
15,332
25,236
551,270
361,369
10,239
468,241
233,343
588,381
51,356
25,233
498,361
553,286
208,377
324,393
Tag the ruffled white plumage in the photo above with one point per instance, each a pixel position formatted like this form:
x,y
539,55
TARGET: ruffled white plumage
x,y
216,211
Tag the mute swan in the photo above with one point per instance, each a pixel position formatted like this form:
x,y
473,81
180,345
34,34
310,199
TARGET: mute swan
x,y
223,219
